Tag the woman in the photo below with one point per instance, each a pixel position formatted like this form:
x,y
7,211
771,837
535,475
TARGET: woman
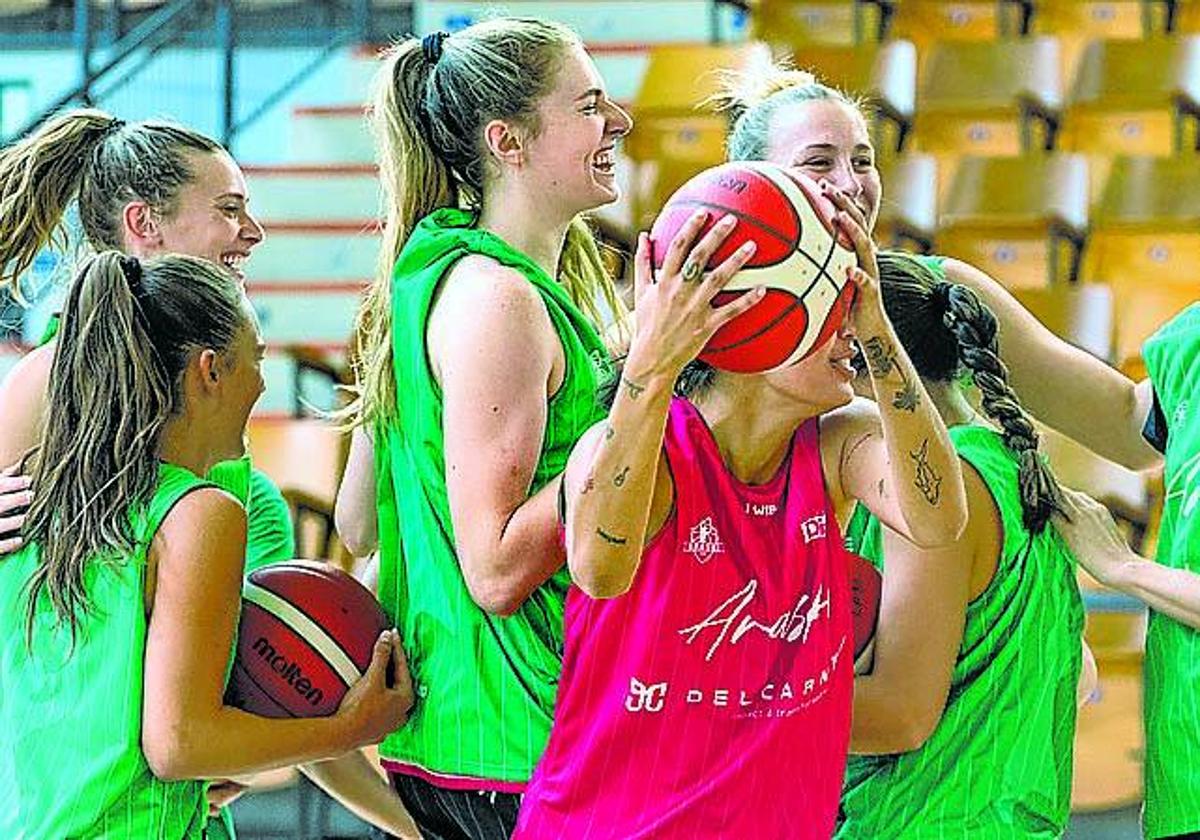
x,y
128,587
146,188
482,361
707,669
965,730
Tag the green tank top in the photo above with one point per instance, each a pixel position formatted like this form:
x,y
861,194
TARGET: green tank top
x,y
71,763
998,764
485,685
1172,692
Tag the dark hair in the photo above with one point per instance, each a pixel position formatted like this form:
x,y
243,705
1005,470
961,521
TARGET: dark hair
x,y
129,329
99,160
946,329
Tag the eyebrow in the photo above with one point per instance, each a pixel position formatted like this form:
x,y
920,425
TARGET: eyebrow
x,y
236,195
829,147
596,92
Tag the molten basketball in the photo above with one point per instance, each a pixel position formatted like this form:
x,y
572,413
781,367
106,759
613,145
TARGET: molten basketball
x,y
801,260
866,587
306,635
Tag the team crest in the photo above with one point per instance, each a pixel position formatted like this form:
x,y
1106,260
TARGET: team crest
x,y
704,541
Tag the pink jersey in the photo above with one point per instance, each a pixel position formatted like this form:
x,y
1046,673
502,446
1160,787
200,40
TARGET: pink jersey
x,y
713,698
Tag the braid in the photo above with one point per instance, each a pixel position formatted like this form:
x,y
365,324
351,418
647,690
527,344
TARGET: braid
x,y
974,325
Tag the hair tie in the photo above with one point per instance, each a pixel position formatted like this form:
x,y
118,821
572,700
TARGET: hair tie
x,y
431,46
131,268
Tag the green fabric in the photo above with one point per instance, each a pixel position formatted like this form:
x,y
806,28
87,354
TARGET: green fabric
x,y
998,764
71,763
485,686
270,537
1172,697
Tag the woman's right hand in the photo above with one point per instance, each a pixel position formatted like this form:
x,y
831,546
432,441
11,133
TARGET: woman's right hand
x,y
15,497
371,709
674,313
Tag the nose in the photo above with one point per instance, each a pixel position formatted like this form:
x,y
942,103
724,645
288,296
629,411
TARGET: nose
x,y
845,179
252,230
619,121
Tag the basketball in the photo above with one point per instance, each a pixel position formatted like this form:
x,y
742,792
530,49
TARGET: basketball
x,y
306,635
801,260
866,587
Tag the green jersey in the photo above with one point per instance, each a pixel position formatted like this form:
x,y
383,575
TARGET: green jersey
x,y
998,764
71,763
485,685
1172,695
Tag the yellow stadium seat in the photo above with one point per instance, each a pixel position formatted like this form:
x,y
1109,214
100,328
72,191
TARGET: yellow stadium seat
x,y
883,75
1146,225
927,21
1081,313
674,134
1135,97
808,22
1021,219
1077,22
908,214
988,98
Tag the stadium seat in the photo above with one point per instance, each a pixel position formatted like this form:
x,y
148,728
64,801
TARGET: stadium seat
x,y
908,214
884,75
1146,225
674,134
1077,22
988,98
927,21
1081,313
1135,97
798,23
1021,219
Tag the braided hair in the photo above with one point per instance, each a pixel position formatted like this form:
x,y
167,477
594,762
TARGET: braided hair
x,y
947,330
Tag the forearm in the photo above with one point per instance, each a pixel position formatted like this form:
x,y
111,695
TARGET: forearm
x,y
228,742
1064,387
609,503
353,782
1172,592
354,509
925,471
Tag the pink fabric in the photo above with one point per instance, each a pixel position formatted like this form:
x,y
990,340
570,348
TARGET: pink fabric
x,y
713,698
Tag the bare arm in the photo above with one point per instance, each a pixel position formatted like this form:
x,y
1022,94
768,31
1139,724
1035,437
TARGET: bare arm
x,y
921,615
353,782
1063,386
354,510
496,377
614,470
1100,548
194,586
23,404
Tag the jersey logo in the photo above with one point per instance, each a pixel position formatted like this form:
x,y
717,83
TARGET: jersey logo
x,y
645,698
1180,415
704,541
813,528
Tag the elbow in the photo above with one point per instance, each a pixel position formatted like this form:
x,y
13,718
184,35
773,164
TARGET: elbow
x,y
495,596
167,755
599,581
357,536
941,534
909,729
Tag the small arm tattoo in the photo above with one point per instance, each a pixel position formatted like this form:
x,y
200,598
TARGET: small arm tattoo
x,y
611,539
927,480
619,478
634,390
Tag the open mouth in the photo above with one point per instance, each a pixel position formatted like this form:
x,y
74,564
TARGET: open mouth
x,y
235,262
604,162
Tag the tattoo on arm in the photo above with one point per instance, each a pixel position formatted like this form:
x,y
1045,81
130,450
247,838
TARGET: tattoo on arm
x,y
609,431
880,488
881,356
635,390
619,478
611,539
927,480
588,485
907,398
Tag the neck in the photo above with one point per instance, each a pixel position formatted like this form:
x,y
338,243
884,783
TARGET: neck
x,y
524,222
753,433
950,403
182,445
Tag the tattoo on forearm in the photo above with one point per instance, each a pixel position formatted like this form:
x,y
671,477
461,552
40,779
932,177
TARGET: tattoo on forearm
x,y
589,485
611,539
881,356
882,492
609,431
907,398
619,478
927,480
635,390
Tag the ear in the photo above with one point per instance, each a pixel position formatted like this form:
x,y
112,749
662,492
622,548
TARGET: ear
x,y
504,143
209,366
140,228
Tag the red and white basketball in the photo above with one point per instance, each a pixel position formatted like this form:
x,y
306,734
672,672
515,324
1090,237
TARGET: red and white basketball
x,y
306,635
801,260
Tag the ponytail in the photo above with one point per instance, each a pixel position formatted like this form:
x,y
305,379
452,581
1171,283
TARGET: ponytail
x,y
129,331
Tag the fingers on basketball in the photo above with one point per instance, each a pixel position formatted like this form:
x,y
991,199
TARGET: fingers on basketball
x,y
681,243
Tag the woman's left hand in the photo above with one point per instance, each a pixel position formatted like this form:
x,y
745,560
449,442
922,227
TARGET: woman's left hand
x,y
868,307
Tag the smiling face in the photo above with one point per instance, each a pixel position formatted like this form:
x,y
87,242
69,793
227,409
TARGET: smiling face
x,y
824,380
827,140
571,159
211,217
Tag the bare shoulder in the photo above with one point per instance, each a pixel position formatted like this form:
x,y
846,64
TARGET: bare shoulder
x,y
490,307
204,517
857,417
486,285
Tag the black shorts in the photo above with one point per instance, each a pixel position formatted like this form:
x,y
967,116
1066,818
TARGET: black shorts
x,y
443,814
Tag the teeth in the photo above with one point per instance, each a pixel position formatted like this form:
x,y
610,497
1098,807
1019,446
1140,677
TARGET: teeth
x,y
604,160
